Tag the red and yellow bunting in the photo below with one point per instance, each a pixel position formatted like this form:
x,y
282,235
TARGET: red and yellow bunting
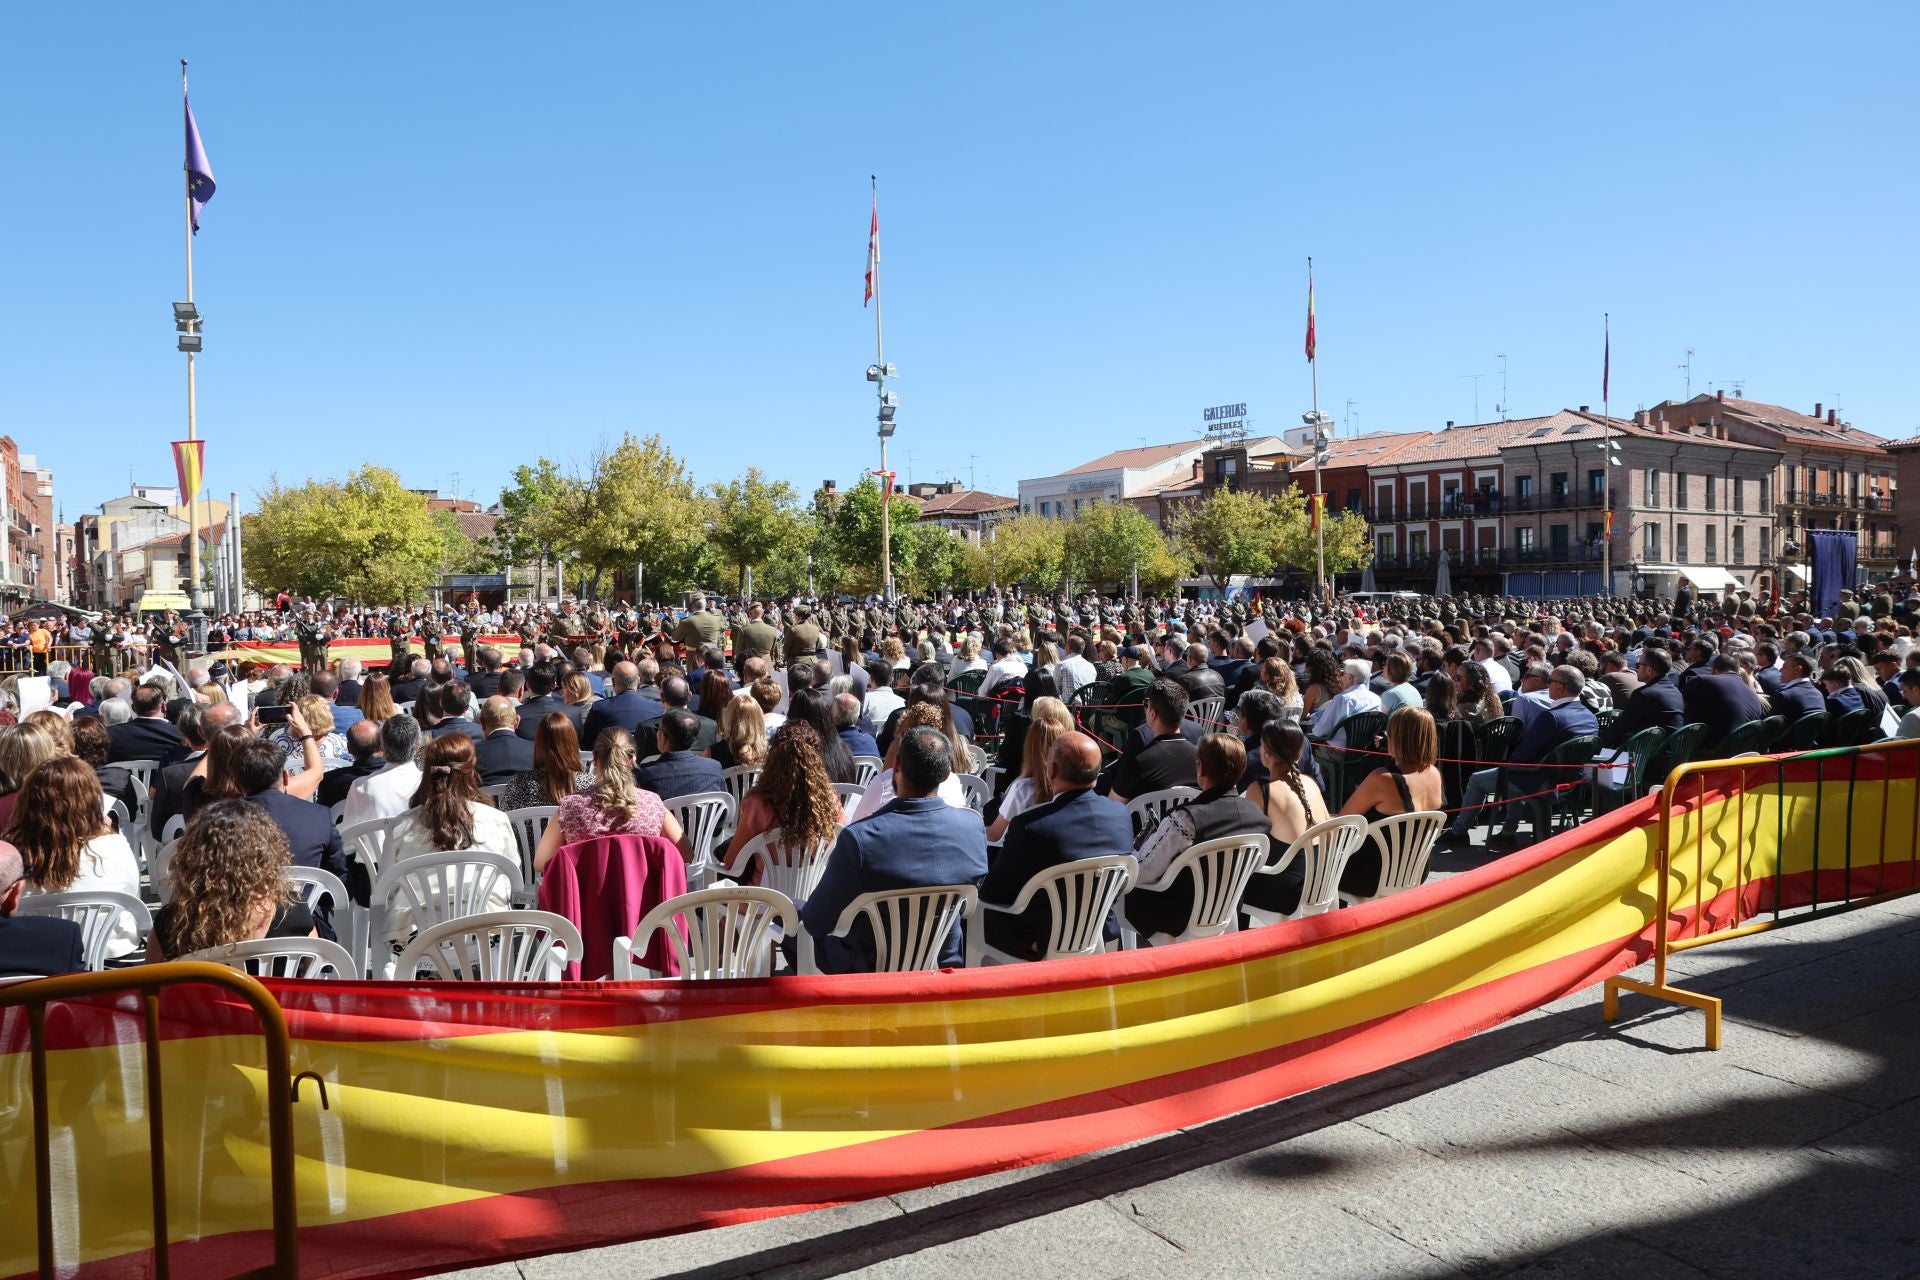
x,y
480,1122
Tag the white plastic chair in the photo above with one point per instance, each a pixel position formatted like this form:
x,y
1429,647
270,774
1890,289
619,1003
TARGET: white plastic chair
x,y
142,771
367,841
715,933
977,791
707,817
494,946
1406,843
284,958
1220,871
910,926
1079,895
349,917
96,911
338,810
740,779
586,761
142,800
529,825
431,889
784,869
1324,849
159,881
851,794
496,792
1150,808
1208,713
867,768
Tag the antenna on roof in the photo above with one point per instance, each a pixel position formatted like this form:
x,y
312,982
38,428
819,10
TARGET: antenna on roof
x,y
1686,367
1349,422
1476,392
1501,408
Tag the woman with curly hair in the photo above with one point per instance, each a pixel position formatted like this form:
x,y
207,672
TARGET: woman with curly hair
x,y
612,806
793,793
1323,681
61,829
230,884
815,706
1276,677
930,714
1477,699
743,735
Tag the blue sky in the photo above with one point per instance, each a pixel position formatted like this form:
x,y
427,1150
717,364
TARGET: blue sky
x,y
450,238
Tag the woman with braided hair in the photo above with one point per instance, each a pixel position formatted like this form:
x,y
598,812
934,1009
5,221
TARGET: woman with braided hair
x,y
1292,800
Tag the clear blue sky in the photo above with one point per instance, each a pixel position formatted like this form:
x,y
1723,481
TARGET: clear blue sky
x,y
449,238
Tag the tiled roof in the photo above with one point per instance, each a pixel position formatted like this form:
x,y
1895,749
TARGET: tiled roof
x,y
965,502
1151,455
1801,427
476,524
1368,450
1910,442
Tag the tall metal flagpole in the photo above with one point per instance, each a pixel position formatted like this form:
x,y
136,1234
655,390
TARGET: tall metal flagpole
x,y
1319,451
194,593
880,384
1606,460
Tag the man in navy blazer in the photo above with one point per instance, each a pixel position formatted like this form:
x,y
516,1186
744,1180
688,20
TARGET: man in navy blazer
x,y
1077,823
916,839
677,771
626,709
1657,703
846,719
1563,719
453,700
543,702
148,736
1722,702
32,946
260,768
1798,694
502,753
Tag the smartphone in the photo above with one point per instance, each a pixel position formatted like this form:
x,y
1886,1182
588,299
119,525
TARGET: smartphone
x,y
274,715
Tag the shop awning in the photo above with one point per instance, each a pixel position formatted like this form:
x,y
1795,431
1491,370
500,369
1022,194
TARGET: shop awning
x,y
1797,571
1702,577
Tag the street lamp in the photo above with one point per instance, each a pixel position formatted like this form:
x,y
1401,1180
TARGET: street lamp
x,y
186,324
1319,422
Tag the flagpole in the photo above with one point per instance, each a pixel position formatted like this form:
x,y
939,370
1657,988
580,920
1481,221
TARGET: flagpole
x,y
194,594
1606,460
880,359
1319,462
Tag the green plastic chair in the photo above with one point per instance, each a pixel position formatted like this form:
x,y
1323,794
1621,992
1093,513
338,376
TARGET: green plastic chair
x,y
1680,747
1642,749
1850,728
1540,810
1340,766
1751,736
1807,731
1773,731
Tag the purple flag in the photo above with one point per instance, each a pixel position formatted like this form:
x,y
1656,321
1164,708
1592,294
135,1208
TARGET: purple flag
x,y
199,172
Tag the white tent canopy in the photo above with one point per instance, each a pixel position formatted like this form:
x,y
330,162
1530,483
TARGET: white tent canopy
x,y
1702,577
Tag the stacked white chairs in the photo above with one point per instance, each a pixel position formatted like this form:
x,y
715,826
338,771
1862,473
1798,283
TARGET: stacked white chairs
x,y
1323,850
493,946
714,933
1150,808
708,818
96,911
789,870
1220,870
1079,897
1406,843
910,926
284,958
867,768
429,889
740,779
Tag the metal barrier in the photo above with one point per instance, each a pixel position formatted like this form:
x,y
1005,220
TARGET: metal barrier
x,y
282,1093
1722,876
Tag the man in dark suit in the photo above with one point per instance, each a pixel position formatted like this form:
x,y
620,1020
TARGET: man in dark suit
x,y
1077,823
486,680
502,753
916,839
1842,697
543,702
33,946
197,726
345,715
348,694
259,767
1721,701
408,687
674,696
147,736
1564,718
363,745
1656,703
1798,694
626,709
1166,758
846,719
451,702
1766,671
678,770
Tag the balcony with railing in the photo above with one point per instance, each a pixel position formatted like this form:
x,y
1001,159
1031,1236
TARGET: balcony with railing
x,y
1836,501
1561,500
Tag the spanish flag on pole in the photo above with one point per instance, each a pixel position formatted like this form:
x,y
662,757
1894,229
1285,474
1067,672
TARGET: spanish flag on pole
x,y
1318,505
187,457
1310,342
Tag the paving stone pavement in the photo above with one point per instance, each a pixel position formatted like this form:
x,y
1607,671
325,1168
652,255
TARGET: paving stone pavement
x,y
1552,1146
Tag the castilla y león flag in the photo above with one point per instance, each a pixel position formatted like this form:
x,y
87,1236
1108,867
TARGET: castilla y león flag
x,y
187,458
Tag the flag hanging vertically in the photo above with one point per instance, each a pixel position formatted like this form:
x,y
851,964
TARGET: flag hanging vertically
x,y
1319,505
199,171
1606,361
187,457
1310,342
873,250
1609,524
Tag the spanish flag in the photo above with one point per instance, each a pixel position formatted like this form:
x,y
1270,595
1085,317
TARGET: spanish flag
x,y
1319,505
188,455
1310,341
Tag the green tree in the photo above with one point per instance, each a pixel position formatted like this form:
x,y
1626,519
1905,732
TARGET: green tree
x,y
854,535
1229,533
1349,538
1105,543
936,560
536,514
369,539
756,522
638,504
1026,549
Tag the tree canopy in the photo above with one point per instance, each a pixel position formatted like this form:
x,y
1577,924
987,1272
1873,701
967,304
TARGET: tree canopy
x,y
369,539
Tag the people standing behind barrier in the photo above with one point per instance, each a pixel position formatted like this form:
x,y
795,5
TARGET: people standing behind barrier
x,y
229,884
1409,783
916,840
1218,811
60,827
1048,721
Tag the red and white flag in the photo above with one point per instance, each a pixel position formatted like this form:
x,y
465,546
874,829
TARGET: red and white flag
x,y
873,251
1312,346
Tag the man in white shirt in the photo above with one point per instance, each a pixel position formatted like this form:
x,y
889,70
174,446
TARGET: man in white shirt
x,y
1006,666
1354,697
1497,672
1074,671
388,793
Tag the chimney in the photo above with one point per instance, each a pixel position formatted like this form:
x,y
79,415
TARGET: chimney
x,y
1199,468
1449,424
1833,417
1583,408
1641,417
1720,395
1816,408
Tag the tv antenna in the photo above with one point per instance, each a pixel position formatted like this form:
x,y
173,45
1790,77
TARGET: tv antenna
x,y
1501,408
1476,392
1350,416
1686,367
1737,386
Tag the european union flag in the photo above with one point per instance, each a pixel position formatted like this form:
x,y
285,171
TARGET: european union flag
x,y
199,172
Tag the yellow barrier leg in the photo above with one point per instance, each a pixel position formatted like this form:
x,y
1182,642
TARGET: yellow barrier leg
x,y
1710,1005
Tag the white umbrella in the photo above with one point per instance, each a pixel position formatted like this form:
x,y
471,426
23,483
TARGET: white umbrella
x,y
1443,581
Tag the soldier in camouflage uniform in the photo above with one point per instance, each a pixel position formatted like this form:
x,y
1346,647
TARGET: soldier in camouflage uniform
x,y
470,640
398,636
312,634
